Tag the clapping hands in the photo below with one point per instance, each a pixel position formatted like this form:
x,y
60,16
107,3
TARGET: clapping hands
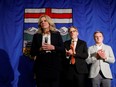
x,y
101,54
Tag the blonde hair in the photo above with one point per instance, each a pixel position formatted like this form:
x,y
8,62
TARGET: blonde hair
x,y
49,20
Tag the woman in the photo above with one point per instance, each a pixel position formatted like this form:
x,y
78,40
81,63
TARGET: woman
x,y
47,47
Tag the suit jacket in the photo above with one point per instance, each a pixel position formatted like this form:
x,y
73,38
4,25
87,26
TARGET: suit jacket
x,y
99,64
80,56
48,65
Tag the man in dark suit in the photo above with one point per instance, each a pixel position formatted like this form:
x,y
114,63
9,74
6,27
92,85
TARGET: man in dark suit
x,y
76,69
47,47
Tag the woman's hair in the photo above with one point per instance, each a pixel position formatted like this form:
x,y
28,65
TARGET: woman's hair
x,y
49,20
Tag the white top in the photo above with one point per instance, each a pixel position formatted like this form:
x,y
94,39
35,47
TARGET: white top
x,y
48,36
75,43
99,47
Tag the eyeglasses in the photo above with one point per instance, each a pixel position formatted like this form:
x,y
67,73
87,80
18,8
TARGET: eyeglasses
x,y
72,31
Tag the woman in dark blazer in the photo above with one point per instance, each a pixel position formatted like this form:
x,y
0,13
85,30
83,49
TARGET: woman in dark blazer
x,y
76,72
47,48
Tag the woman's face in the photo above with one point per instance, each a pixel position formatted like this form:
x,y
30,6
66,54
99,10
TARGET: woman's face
x,y
44,23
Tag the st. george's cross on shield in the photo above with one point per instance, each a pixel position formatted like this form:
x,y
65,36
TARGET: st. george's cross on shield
x,y
61,17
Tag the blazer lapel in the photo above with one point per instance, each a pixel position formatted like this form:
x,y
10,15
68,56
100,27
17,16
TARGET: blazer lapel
x,y
52,38
39,39
103,47
95,48
78,44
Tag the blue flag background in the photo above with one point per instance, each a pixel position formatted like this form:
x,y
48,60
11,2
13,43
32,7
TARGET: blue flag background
x,y
16,70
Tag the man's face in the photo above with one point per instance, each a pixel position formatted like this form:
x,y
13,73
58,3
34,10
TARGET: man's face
x,y
98,37
73,33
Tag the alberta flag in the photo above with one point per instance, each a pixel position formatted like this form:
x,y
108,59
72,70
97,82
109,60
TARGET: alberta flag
x,y
58,15
62,17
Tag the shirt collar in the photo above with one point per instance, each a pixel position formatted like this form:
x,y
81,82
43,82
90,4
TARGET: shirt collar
x,y
74,40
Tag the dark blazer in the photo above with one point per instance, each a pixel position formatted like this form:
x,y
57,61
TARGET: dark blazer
x,y
48,65
80,56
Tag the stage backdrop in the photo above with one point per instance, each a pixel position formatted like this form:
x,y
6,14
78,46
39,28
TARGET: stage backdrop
x,y
19,16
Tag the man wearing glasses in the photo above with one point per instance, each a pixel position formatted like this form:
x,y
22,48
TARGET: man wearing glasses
x,y
76,52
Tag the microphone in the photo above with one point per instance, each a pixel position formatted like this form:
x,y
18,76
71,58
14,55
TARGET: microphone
x,y
46,39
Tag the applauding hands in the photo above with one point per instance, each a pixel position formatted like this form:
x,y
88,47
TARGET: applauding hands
x,y
101,54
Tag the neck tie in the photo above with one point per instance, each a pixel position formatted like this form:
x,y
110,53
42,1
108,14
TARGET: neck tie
x,y
72,56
